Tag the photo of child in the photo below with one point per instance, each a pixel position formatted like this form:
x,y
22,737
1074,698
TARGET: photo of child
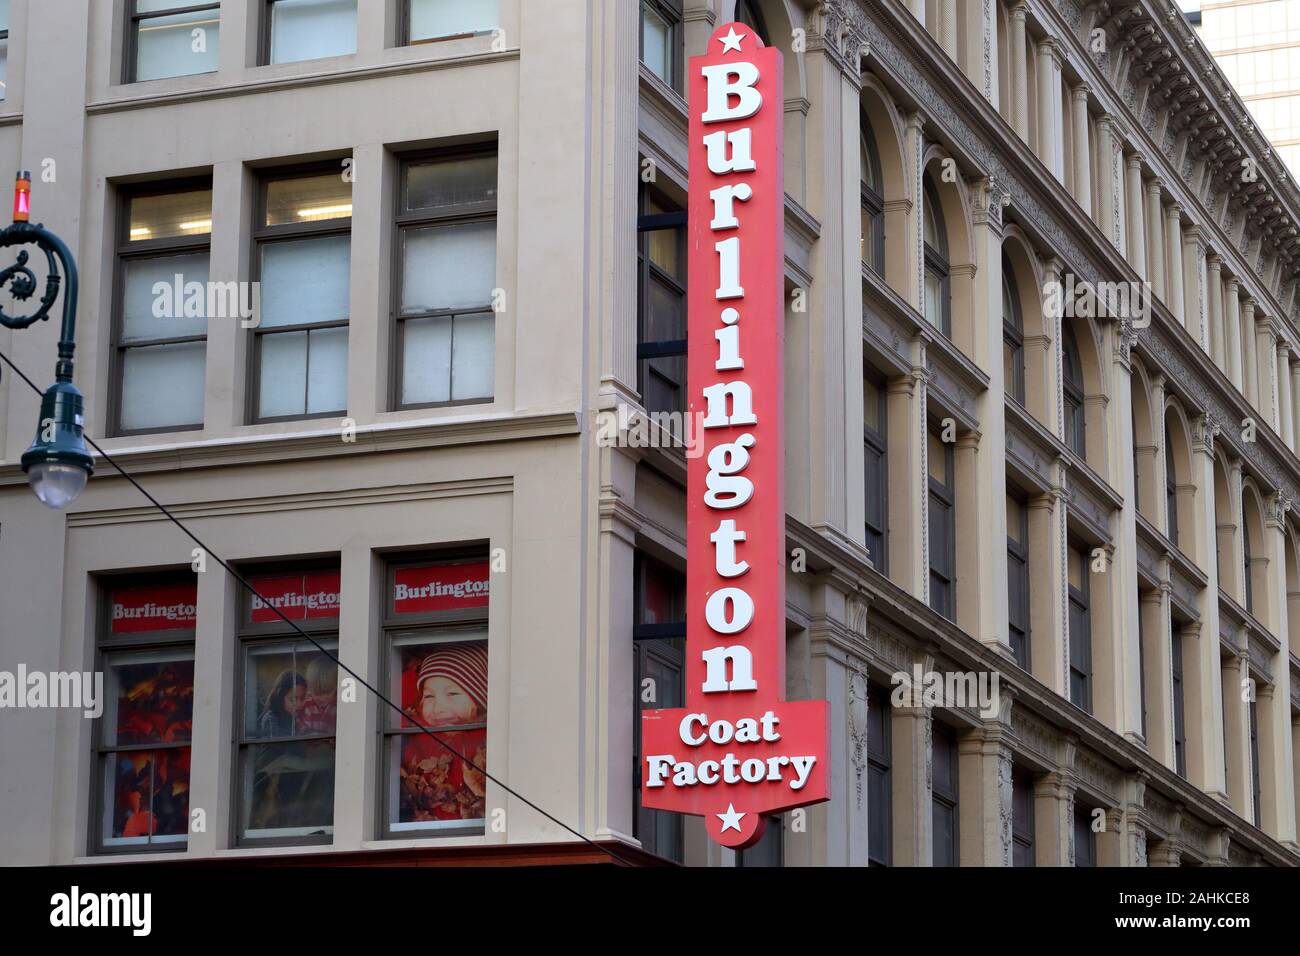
x,y
319,709
445,687
279,716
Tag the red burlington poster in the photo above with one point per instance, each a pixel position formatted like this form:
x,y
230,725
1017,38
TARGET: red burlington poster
x,y
738,750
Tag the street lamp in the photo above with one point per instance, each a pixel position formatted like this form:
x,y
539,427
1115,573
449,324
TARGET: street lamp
x,y
57,463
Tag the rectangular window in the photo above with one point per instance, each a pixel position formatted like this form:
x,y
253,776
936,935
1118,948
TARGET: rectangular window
x,y
142,739
661,303
447,262
172,38
429,20
1142,671
1085,840
310,29
943,543
659,634
1180,726
1255,788
661,40
435,627
1080,630
288,698
1022,817
880,819
876,472
1018,578
4,47
944,795
303,245
160,340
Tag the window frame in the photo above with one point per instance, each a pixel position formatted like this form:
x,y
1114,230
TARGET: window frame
x,y
1019,551
945,494
1022,831
1013,334
265,40
1171,493
647,223
747,11
125,250
1177,692
1256,778
1085,856
263,235
1073,394
948,799
876,441
1082,599
880,763
873,202
404,29
936,259
1248,597
672,13
437,627
463,214
275,632
131,46
106,644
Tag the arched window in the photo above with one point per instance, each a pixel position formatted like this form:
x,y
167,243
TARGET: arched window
x,y
1075,436
1013,336
873,202
747,12
1245,555
1171,490
938,293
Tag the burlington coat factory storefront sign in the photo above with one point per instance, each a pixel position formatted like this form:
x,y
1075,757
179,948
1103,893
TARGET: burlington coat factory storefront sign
x,y
738,750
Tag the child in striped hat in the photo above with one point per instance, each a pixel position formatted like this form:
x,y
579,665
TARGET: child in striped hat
x,y
452,685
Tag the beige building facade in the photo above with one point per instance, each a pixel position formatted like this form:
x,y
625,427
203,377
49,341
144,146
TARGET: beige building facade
x,y
465,223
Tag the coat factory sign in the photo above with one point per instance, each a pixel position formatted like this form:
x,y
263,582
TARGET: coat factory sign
x,y
738,751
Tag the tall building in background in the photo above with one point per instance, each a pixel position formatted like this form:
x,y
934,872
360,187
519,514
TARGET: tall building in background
x,y
1257,45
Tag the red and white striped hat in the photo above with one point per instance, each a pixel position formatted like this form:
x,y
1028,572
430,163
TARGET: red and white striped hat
x,y
466,664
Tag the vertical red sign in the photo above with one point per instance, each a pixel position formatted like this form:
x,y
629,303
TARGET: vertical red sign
x,y
738,750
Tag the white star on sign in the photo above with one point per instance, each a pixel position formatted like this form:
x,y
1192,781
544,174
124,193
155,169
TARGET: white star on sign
x,y
731,41
731,819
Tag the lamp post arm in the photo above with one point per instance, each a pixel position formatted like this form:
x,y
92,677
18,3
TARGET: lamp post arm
x,y
22,285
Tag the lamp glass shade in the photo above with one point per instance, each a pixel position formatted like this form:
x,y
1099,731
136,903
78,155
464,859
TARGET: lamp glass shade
x,y
56,484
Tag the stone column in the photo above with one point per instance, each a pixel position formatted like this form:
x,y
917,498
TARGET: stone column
x,y
914,252
1164,853
1105,200
1054,818
1266,363
1284,394
1214,295
1202,705
978,24
984,798
698,21
1236,721
948,27
1250,352
358,721
1049,108
1019,71
837,830
1082,148
1155,663
1156,238
1295,410
1048,618
910,751
1137,240
1273,701
1195,306
1232,334
1174,261
917,8
215,664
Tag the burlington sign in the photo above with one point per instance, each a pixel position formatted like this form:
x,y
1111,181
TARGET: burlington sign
x,y
737,751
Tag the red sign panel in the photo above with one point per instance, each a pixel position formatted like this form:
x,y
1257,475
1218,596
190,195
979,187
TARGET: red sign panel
x,y
440,587
738,750
168,607
299,597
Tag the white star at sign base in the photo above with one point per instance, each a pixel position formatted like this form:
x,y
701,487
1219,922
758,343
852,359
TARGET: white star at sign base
x,y
731,41
731,819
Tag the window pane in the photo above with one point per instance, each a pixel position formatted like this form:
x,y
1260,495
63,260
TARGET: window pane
x,y
4,66
305,280
327,370
938,459
665,313
289,788
146,797
282,389
162,386
665,250
177,45
1076,564
445,18
308,199
440,683
289,690
933,299
657,44
1015,520
426,361
446,183
149,699
149,297
171,214
449,267
310,29
873,405
473,356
